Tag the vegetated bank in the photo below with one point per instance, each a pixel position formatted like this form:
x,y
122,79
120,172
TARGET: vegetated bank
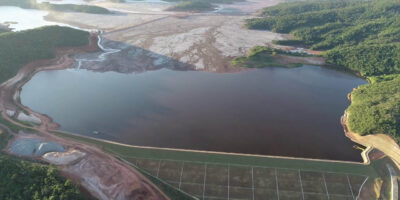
x,y
375,108
359,36
24,180
20,48
55,7
263,56
198,5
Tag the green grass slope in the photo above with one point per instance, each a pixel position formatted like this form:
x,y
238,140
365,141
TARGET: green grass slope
x,y
359,36
262,56
195,5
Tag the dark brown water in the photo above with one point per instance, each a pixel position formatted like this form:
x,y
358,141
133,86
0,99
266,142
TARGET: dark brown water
x,y
272,111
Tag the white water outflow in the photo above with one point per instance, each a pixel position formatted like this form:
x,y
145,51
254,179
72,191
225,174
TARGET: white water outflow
x,y
102,56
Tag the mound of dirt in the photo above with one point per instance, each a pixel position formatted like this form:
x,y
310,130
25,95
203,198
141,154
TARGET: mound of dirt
x,y
63,158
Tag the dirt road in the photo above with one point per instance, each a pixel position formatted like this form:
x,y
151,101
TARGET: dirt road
x,y
382,142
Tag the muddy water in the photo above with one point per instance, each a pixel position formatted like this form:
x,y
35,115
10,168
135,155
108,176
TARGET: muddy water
x,y
272,111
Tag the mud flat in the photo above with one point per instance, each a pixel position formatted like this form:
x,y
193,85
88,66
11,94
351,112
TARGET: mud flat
x,y
101,22
203,41
138,7
207,42
102,175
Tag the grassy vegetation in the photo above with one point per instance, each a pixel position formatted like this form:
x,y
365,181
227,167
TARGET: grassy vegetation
x,y
56,7
375,108
73,8
4,138
262,56
169,190
126,152
20,48
198,5
362,36
288,42
24,180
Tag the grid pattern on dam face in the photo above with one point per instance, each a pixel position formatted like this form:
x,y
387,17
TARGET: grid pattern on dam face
x,y
210,181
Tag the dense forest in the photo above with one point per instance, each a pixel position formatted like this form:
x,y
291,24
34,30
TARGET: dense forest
x,y
375,108
22,180
263,56
56,7
362,36
21,48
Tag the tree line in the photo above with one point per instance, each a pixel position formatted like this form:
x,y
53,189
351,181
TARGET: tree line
x,y
20,48
362,36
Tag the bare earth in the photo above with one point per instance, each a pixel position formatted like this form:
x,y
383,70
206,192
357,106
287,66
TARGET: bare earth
x,y
148,38
151,39
252,6
380,141
202,41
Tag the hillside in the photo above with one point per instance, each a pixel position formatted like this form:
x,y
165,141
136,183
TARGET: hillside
x,y
358,36
25,180
375,108
30,45
361,36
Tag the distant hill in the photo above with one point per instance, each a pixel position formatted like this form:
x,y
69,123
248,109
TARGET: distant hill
x,y
362,36
55,7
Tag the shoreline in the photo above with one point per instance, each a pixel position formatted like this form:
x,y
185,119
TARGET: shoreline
x,y
83,173
380,141
50,125
365,161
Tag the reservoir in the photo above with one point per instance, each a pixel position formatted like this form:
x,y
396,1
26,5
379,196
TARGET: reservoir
x,y
272,111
